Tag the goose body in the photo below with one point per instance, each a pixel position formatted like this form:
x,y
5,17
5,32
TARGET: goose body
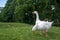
x,y
41,25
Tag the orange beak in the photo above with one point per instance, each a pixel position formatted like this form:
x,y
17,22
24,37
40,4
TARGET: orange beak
x,y
33,12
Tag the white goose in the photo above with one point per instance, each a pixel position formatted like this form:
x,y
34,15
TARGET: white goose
x,y
41,25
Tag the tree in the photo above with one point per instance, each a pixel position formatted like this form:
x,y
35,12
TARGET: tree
x,y
21,10
8,10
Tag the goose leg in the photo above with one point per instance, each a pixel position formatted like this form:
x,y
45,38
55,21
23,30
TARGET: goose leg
x,y
33,32
40,33
46,34
33,29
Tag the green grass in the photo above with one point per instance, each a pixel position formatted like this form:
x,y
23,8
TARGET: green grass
x,y
21,31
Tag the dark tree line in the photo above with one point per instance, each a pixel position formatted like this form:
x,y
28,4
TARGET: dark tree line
x,y
21,10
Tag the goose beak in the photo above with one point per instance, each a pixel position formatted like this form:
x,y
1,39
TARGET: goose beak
x,y
33,12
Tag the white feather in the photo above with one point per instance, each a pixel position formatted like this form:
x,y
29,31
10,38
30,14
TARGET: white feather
x,y
41,25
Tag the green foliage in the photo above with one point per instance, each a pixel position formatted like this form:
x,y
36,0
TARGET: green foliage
x,y
15,10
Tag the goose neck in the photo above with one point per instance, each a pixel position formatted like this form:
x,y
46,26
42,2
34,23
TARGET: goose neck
x,y
37,16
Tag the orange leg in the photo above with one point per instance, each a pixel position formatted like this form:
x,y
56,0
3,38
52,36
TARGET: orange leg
x,y
40,33
33,32
46,34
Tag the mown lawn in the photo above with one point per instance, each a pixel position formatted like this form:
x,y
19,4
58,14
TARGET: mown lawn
x,y
21,31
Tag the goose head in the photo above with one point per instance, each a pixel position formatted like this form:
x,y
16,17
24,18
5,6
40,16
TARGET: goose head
x,y
34,12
